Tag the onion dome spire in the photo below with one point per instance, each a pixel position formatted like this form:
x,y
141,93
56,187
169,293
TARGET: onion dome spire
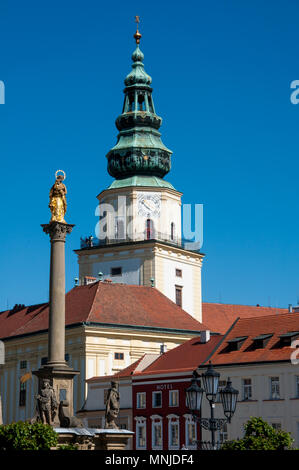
x,y
139,149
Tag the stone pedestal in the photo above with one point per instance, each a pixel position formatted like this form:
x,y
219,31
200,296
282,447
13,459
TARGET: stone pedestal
x,y
112,439
94,439
61,380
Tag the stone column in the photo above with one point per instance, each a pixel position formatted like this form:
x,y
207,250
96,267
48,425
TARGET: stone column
x,y
55,378
56,343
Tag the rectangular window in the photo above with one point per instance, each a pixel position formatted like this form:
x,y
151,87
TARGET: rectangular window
x,y
174,434
157,399
23,364
22,396
223,434
116,271
178,273
173,398
246,389
141,400
157,434
274,388
276,426
297,386
191,434
178,295
119,356
140,436
221,384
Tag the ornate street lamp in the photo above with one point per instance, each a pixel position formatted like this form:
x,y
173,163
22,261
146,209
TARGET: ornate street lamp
x,y
194,394
228,396
210,380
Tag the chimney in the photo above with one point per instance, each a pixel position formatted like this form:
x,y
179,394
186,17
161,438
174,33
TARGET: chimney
x,y
163,348
290,308
205,336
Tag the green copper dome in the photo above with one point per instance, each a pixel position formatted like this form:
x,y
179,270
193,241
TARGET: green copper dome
x,y
141,181
139,149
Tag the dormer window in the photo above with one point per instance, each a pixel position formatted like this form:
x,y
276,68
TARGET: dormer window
x,y
260,342
235,344
287,338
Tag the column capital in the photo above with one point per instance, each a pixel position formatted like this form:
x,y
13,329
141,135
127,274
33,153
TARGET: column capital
x,y
57,230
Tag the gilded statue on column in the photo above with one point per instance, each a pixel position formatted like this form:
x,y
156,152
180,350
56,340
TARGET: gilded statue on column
x,y
57,203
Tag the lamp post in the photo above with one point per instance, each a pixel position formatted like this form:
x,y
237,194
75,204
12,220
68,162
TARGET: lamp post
x,y
228,396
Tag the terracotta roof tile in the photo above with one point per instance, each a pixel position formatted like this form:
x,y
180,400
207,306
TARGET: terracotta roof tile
x,y
192,353
183,358
102,302
274,350
219,317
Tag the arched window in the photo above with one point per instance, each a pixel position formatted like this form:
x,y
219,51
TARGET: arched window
x,y
119,228
172,231
149,229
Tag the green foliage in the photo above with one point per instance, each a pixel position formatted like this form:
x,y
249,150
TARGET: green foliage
x,y
26,436
259,435
68,447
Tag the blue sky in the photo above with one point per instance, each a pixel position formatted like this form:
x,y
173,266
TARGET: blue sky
x,y
221,78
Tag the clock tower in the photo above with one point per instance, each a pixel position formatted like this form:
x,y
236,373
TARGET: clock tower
x,y
138,236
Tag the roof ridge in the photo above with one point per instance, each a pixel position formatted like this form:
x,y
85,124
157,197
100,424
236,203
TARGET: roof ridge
x,y
243,305
268,317
220,342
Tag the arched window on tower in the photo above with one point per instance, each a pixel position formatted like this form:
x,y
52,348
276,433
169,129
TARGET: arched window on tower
x,y
149,229
172,231
140,102
119,228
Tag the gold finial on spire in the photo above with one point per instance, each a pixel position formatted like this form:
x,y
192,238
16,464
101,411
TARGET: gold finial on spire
x,y
137,35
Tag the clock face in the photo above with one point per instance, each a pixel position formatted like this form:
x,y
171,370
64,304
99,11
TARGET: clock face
x,y
149,204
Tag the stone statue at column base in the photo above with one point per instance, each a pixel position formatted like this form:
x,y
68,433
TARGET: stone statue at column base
x,y
46,404
68,421
112,406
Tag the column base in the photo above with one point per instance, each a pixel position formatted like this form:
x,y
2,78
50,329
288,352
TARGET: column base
x,y
60,380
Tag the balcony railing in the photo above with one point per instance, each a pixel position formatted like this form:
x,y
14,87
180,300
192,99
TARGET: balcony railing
x,y
90,242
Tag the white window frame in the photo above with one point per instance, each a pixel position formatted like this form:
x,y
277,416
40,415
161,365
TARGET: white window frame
x,y
140,424
189,420
153,401
157,421
278,424
138,395
171,392
173,420
245,388
271,388
223,434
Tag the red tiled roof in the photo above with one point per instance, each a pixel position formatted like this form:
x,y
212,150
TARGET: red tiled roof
x,y
253,327
102,302
183,358
127,372
192,353
219,317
